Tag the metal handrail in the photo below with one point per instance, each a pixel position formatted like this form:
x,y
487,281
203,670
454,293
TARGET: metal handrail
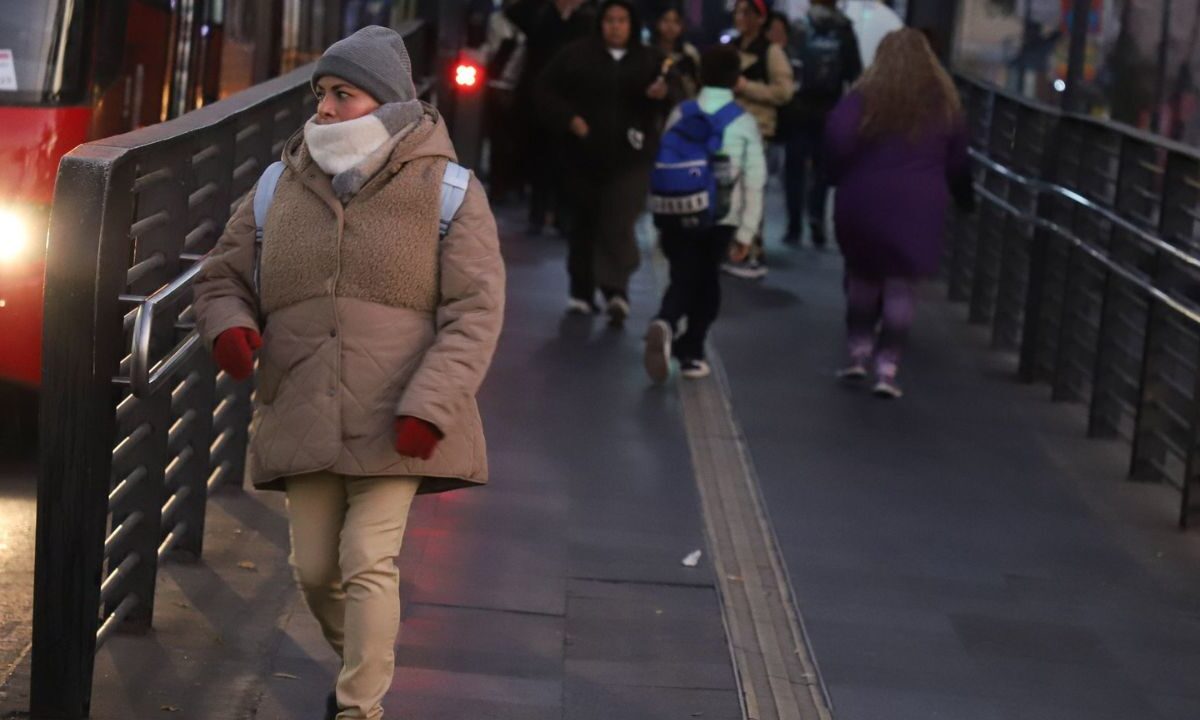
x,y
1189,313
1043,186
145,379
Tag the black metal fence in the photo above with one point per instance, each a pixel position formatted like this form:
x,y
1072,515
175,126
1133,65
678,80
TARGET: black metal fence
x,y
1084,257
138,427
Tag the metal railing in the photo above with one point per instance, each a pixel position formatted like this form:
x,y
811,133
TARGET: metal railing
x,y
1084,257
137,426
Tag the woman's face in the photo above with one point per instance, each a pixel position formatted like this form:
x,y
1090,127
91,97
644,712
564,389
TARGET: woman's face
x,y
777,32
616,26
339,101
670,26
747,21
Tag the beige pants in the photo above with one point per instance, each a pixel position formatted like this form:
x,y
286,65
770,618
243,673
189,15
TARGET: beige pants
x,y
346,533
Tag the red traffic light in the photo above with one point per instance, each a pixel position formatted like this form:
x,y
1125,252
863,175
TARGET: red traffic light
x,y
467,75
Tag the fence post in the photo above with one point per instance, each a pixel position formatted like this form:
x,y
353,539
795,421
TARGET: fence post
x,y
77,427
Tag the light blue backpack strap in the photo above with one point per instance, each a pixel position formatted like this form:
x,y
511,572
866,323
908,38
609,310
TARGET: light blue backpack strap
x,y
454,190
263,194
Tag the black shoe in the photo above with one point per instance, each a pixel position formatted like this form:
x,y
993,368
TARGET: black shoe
x,y
818,236
792,236
617,309
331,706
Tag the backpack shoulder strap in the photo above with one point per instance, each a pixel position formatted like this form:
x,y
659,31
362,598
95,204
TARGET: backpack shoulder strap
x,y
264,193
726,115
455,181
688,108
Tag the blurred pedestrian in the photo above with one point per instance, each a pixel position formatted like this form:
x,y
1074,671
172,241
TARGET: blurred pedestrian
x,y
377,328
766,84
681,66
549,26
695,241
826,49
607,92
504,54
897,144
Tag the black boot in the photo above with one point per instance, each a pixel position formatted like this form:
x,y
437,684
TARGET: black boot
x,y
331,706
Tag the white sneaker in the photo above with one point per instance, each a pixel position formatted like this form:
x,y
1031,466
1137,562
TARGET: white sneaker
x,y
887,389
747,270
657,355
694,369
618,309
575,306
853,373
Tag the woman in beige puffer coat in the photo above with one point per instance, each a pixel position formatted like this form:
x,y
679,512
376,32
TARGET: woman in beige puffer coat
x,y
376,335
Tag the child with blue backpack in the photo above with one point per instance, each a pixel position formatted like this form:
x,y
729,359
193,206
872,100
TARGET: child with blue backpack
x,y
707,199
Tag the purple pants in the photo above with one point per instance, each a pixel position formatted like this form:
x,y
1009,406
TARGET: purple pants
x,y
879,314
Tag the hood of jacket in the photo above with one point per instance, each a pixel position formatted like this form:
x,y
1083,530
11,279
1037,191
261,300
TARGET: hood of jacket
x,y
635,21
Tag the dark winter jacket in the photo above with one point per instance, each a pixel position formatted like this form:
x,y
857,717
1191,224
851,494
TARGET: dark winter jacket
x,y
610,95
546,33
809,105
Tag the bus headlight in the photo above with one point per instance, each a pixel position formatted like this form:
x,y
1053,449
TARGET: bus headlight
x,y
16,235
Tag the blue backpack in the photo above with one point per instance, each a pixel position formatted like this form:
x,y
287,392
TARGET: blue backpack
x,y
692,182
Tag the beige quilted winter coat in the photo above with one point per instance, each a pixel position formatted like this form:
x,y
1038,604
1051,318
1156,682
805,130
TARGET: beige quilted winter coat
x,y
368,316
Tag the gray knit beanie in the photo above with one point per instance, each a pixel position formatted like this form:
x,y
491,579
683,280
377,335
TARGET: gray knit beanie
x,y
373,59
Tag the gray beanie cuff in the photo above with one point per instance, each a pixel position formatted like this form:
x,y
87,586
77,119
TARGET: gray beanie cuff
x,y
359,76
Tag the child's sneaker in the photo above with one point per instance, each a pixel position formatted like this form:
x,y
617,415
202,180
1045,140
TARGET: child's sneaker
x,y
747,269
694,369
657,355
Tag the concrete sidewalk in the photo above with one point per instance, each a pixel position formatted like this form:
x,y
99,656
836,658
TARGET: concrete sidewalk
x,y
555,592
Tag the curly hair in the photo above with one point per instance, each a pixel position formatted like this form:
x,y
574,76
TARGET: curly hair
x,y
906,90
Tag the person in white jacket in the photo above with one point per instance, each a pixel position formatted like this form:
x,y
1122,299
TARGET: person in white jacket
x,y
695,255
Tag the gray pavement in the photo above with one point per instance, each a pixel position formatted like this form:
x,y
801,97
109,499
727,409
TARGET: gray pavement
x,y
965,552
18,493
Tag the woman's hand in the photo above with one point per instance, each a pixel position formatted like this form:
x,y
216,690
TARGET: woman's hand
x,y
579,127
234,351
739,88
658,89
416,438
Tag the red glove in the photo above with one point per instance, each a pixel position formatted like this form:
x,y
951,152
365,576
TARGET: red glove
x,y
234,351
416,438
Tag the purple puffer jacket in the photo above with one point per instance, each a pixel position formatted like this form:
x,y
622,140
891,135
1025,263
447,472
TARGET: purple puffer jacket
x,y
892,193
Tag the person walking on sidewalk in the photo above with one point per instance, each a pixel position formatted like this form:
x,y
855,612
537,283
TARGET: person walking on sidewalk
x,y
377,327
897,144
549,26
682,59
766,85
607,91
826,50
695,253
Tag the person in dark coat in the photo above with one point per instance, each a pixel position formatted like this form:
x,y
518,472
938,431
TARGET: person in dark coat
x,y
549,26
825,47
896,144
607,92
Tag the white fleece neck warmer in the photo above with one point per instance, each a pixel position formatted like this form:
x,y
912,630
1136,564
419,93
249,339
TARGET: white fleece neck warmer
x,y
338,147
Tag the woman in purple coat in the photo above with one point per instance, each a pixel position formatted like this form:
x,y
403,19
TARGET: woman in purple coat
x,y
895,145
